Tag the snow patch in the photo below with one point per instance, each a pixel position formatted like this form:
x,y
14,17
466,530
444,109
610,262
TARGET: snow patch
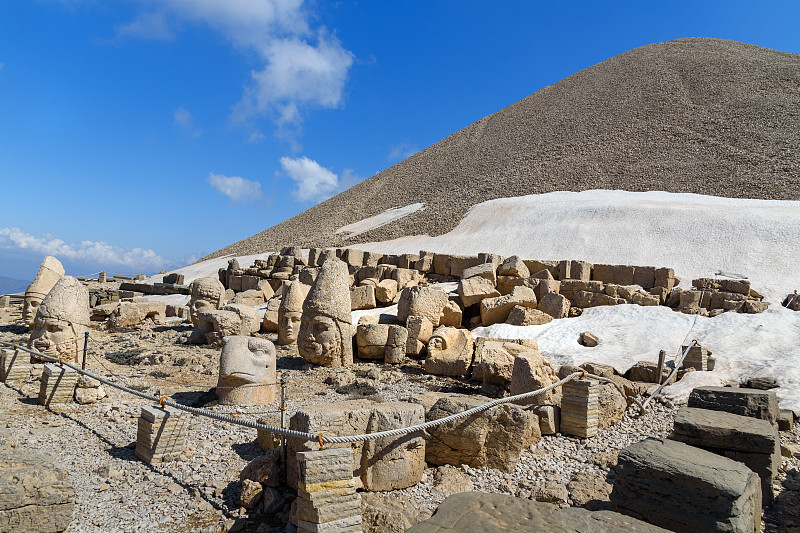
x,y
381,219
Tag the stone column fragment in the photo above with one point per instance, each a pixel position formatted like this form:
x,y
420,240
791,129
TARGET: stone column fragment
x,y
15,365
57,384
161,435
579,408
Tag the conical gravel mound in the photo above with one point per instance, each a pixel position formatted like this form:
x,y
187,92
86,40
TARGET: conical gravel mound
x,y
696,115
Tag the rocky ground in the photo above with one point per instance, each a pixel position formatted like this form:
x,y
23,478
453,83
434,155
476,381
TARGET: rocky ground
x,y
200,492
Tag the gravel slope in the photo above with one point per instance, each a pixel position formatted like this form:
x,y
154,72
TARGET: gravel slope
x,y
699,115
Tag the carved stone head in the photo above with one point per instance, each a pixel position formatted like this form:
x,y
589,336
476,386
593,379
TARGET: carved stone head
x,y
206,294
246,371
290,313
326,331
61,320
49,273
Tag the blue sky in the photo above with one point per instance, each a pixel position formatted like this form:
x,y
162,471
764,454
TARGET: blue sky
x,y
138,135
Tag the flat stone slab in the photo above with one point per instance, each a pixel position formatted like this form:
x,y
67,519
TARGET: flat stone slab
x,y
684,488
739,401
470,512
717,429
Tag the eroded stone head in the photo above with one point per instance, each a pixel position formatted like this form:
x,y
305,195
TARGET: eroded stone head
x,y
247,373
206,294
61,320
326,331
290,314
49,273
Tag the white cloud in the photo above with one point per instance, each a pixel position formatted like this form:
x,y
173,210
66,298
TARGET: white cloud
x,y
184,120
302,66
402,151
314,182
89,251
236,188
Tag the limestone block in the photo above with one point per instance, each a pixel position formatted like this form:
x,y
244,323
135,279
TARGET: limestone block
x,y
57,384
495,363
549,418
15,365
425,263
386,291
506,284
619,274
353,257
441,264
270,321
421,301
647,372
161,435
408,261
495,310
538,266
484,270
527,316
611,405
544,286
696,357
420,330
451,315
458,263
718,429
248,318
740,401
684,488
450,352
754,308
371,340
493,438
35,492
250,298
396,345
372,258
475,289
579,408
513,266
405,277
742,286
579,270
532,371
589,340
392,463
363,297
555,305
644,276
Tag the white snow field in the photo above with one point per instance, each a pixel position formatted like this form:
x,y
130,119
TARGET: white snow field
x,y
381,219
696,235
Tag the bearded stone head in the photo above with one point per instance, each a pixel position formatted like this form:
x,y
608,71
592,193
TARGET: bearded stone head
x,y
48,275
206,294
61,320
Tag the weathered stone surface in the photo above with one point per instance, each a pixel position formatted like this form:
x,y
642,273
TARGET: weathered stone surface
x,y
495,363
290,313
527,316
703,427
513,266
161,434
57,384
580,407
618,274
549,418
458,263
647,372
270,321
589,489
588,339
250,494
469,512
265,469
450,480
325,335
396,345
206,294
35,493
363,297
451,315
785,419
495,310
746,402
50,272
131,314
532,371
555,305
420,330
421,301
392,463
473,290
604,371
247,371
611,405
61,320
484,270
450,352
371,340
386,291
493,438
685,488
506,284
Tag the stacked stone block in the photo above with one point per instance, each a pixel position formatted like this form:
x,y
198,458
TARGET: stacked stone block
x,y
161,435
579,408
15,365
57,384
696,357
326,492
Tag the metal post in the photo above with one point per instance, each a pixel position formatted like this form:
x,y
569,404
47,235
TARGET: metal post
x,y
85,349
659,376
283,419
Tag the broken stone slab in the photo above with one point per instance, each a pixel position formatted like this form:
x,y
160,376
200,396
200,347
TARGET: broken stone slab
x,y
475,289
468,512
684,488
746,402
555,305
496,310
420,330
513,266
532,371
527,316
363,297
484,270
422,301
495,363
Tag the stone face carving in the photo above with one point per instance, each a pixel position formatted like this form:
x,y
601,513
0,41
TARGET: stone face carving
x,y
289,314
61,320
450,352
49,273
206,294
326,330
244,363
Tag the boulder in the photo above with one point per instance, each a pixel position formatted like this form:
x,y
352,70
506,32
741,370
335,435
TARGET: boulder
x,y
475,289
495,362
527,316
746,402
363,297
421,301
647,372
513,266
533,371
386,291
589,340
451,315
684,488
420,330
485,270
611,405
555,305
392,463
495,310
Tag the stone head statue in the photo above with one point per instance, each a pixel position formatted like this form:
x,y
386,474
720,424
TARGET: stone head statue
x,y
290,313
61,320
326,327
49,273
450,352
206,294
246,371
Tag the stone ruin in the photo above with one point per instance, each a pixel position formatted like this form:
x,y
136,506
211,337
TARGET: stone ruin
x,y
48,275
206,294
247,372
61,321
